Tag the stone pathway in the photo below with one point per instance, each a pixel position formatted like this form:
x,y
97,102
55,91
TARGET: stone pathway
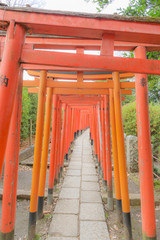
x,y
79,213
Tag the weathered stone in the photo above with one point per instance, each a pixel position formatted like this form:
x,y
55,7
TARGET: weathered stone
x,y
64,225
71,182
75,167
89,171
67,206
69,193
90,178
93,230
26,153
132,153
62,238
91,196
90,186
92,211
71,172
88,165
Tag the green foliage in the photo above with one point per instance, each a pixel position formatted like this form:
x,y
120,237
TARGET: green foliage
x,y
157,185
156,171
142,8
129,98
101,3
129,119
130,123
37,237
26,103
29,111
106,215
33,111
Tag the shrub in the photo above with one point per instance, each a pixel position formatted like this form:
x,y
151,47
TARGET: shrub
x,y
29,111
130,123
26,103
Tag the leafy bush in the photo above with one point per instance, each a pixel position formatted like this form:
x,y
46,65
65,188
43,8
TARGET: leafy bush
x,y
33,111
130,123
29,111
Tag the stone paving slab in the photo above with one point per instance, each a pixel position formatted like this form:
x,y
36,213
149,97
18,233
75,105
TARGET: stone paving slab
x,y
62,238
76,159
88,171
87,155
90,186
73,172
92,211
71,182
91,196
76,167
88,165
64,225
93,230
69,193
90,178
75,164
67,206
87,160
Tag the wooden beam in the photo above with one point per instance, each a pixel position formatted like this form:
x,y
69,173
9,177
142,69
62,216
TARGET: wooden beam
x,y
85,76
81,91
80,98
78,85
91,61
84,25
74,43
57,68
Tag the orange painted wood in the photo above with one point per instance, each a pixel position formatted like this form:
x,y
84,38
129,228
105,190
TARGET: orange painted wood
x,y
82,85
58,68
65,24
82,91
91,61
38,143
9,74
11,166
117,185
74,43
145,152
85,77
45,148
52,170
121,145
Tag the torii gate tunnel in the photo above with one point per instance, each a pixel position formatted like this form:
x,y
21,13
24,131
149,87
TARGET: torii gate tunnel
x,y
92,99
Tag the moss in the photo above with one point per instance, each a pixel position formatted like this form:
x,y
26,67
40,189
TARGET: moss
x,y
157,185
37,237
48,216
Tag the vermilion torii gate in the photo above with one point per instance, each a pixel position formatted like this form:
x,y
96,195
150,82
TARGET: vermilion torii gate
x,y
29,33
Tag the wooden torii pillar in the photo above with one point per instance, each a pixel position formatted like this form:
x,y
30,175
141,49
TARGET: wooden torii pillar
x,y
134,31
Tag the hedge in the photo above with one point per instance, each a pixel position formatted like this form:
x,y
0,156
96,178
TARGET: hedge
x,y
130,123
29,111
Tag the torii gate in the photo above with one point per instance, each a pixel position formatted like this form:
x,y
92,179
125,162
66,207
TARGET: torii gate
x,y
102,32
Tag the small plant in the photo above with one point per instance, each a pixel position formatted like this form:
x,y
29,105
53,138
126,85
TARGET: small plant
x,y
156,171
157,184
48,216
37,237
